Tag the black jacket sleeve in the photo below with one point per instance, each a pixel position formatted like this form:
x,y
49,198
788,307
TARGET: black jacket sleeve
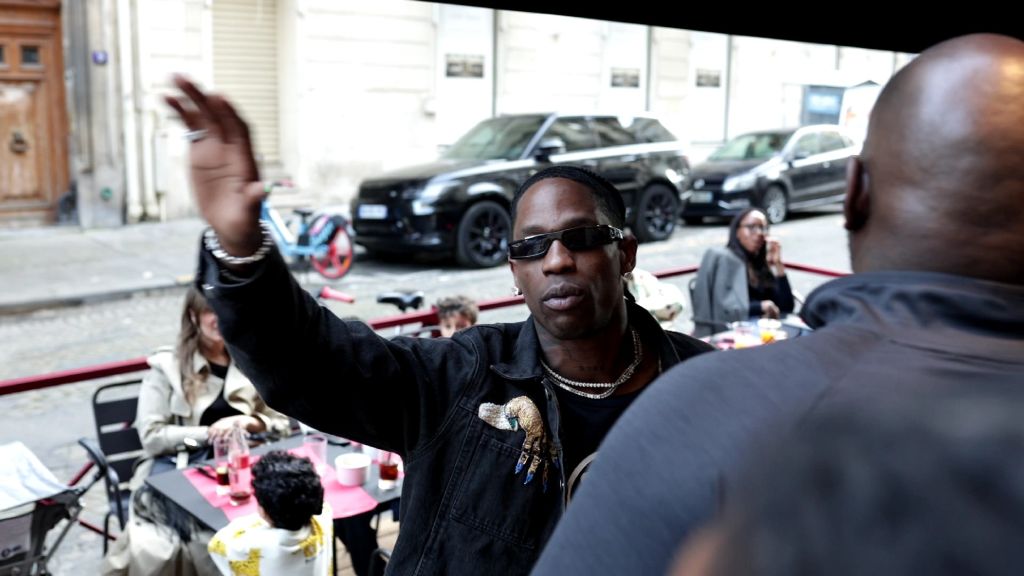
x,y
336,376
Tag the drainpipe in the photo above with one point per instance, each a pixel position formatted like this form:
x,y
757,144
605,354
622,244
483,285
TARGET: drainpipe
x,y
494,62
728,85
129,109
650,67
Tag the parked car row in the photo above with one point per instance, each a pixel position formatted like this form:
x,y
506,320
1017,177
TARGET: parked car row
x,y
459,204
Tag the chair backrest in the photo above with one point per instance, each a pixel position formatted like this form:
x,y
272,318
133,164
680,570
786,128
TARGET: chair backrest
x,y
114,407
702,324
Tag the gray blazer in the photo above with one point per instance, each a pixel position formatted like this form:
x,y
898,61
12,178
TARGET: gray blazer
x,y
719,294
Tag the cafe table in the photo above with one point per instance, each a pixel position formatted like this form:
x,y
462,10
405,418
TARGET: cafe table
x,y
197,493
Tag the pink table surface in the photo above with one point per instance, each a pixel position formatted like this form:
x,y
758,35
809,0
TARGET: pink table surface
x,y
345,501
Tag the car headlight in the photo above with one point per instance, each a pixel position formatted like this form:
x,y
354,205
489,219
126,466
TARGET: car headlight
x,y
741,182
423,202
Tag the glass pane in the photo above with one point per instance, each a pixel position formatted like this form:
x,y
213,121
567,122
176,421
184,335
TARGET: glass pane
x,y
574,132
30,56
650,130
807,146
2,59
503,137
612,133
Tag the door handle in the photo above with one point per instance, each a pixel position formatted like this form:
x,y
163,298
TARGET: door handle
x,y
18,145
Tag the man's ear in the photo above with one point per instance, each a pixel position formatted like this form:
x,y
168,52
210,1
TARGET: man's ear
x,y
627,253
857,203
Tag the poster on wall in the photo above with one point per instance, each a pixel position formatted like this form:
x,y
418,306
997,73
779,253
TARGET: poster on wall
x,y
625,77
464,66
709,78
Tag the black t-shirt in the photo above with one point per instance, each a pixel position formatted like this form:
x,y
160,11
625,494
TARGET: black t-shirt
x,y
220,407
584,423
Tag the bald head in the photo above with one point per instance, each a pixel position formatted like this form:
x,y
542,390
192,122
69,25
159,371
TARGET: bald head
x,y
941,182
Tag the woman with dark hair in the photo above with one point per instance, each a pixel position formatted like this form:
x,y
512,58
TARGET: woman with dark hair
x,y
743,279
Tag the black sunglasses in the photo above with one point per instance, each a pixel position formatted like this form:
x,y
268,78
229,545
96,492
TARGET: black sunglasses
x,y
575,239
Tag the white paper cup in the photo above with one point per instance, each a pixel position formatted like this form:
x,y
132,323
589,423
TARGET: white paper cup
x,y
352,468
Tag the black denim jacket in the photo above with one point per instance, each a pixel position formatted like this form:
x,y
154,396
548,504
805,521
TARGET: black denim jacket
x,y
465,509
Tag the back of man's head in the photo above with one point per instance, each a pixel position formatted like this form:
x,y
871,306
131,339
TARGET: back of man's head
x,y
917,485
288,489
941,182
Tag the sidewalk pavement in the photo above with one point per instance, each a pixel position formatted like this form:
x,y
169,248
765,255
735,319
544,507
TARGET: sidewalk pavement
x,y
59,266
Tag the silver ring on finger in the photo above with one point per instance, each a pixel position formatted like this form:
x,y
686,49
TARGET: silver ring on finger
x,y
196,135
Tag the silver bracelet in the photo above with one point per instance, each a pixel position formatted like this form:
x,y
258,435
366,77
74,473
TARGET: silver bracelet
x,y
212,243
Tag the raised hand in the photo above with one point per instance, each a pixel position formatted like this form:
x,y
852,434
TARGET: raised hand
x,y
223,169
773,256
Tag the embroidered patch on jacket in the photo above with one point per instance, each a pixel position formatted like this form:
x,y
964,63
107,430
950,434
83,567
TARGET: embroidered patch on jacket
x,y
521,413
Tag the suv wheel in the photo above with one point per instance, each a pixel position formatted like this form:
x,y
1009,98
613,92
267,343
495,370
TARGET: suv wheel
x,y
775,204
656,214
483,234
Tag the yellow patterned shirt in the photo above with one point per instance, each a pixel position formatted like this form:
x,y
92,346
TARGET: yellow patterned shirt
x,y
249,546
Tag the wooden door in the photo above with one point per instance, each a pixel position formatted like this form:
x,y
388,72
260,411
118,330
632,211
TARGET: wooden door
x,y
33,129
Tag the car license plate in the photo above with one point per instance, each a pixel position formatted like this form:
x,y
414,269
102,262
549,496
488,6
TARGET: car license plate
x,y
373,211
701,197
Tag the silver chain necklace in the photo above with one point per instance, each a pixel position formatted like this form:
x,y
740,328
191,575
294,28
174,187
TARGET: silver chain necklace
x,y
610,387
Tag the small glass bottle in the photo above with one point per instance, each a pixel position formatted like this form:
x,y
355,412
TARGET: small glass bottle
x,y
239,468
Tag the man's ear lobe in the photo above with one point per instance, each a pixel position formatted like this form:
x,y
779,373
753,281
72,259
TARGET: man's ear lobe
x,y
857,203
627,248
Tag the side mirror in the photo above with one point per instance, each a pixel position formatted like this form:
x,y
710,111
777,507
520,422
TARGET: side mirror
x,y
800,154
548,147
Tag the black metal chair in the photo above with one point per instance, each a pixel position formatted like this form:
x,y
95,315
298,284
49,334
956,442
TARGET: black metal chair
x,y
379,561
117,447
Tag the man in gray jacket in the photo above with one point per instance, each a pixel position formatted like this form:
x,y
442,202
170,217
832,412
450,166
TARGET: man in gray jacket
x,y
933,210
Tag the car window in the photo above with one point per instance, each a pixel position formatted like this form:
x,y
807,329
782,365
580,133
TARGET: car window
x,y
831,141
504,137
611,132
806,146
649,130
752,146
574,132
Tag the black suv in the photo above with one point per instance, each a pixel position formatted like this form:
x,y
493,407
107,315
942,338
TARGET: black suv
x,y
777,170
460,203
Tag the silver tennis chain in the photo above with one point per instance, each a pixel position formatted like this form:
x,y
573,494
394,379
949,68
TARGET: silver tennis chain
x,y
610,387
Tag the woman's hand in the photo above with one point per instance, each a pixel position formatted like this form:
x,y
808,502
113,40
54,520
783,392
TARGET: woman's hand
x,y
773,256
769,309
223,168
221,428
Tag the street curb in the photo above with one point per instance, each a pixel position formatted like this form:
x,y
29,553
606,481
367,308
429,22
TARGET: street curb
x,y
28,306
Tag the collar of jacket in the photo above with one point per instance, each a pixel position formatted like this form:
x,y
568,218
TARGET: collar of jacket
x,y
525,363
234,381
930,309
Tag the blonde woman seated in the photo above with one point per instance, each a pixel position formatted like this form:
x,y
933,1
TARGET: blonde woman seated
x,y
742,280
195,392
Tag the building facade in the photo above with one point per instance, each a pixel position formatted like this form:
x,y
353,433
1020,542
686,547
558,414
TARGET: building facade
x,y
337,90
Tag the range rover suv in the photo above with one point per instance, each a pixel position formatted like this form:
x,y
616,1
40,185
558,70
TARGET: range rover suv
x,y
776,170
459,204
